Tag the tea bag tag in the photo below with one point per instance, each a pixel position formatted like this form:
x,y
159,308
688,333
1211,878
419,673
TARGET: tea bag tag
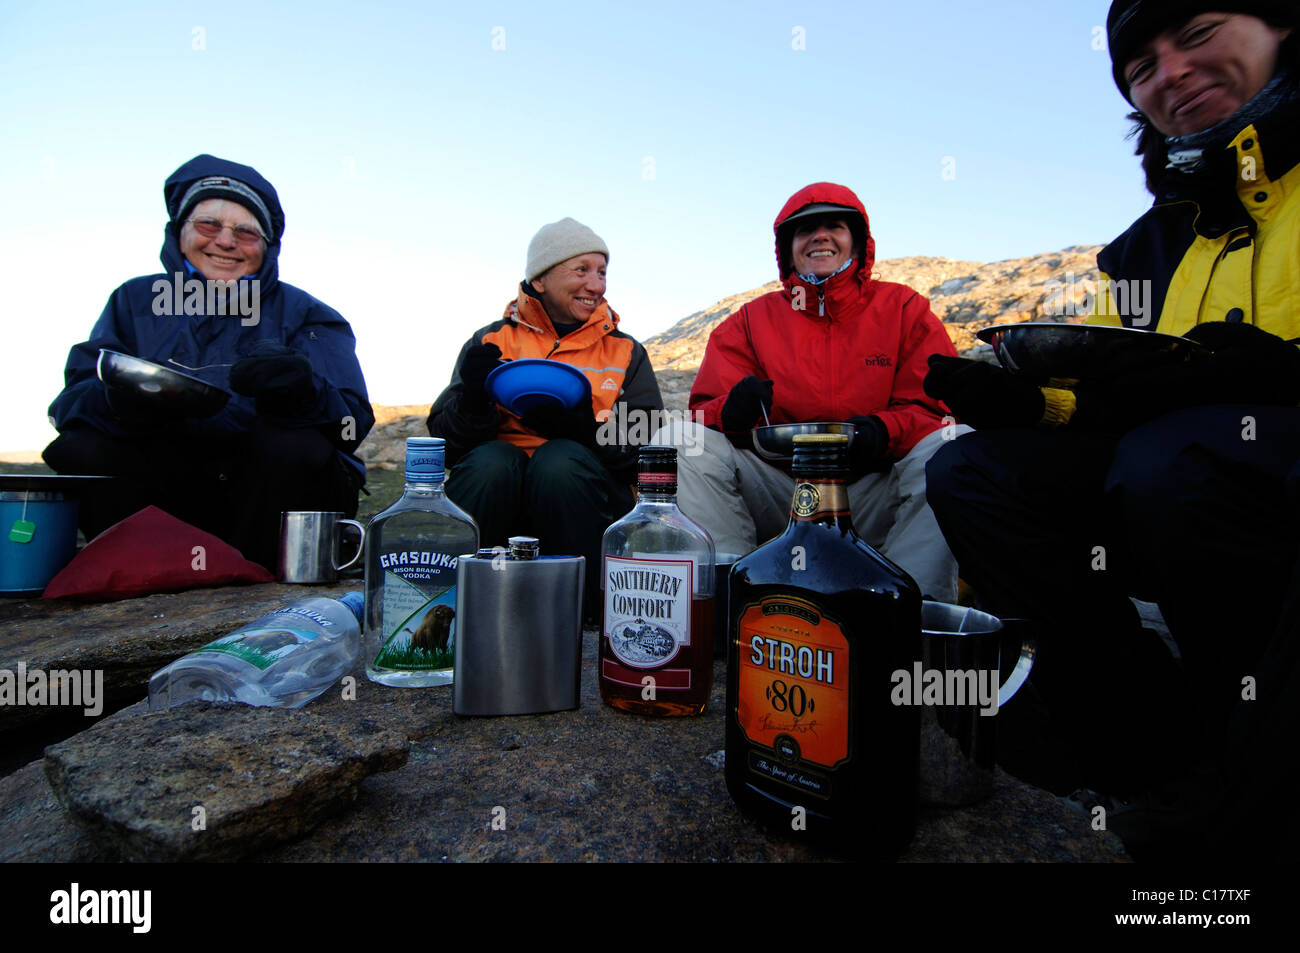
x,y
22,531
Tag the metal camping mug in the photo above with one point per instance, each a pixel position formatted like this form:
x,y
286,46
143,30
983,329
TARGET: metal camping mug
x,y
310,543
960,692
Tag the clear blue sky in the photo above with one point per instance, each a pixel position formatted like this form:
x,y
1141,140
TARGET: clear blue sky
x,y
417,148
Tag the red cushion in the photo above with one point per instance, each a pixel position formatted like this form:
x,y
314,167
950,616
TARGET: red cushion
x,y
151,551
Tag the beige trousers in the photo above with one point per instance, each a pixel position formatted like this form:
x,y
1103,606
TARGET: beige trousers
x,y
743,501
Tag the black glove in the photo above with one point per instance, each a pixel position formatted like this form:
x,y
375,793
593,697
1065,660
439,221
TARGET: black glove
x,y
1245,366
480,361
553,422
982,394
279,377
870,443
1224,335
746,404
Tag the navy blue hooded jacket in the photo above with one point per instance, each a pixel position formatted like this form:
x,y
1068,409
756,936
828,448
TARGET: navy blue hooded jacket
x,y
131,323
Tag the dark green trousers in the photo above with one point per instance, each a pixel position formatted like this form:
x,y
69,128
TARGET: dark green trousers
x,y
563,495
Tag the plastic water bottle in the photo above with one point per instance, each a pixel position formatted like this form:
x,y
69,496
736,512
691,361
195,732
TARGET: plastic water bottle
x,y
283,660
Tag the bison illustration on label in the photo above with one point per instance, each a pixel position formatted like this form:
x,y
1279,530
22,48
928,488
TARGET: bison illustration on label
x,y
434,629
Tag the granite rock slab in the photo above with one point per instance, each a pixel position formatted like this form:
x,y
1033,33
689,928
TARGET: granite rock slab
x,y
209,781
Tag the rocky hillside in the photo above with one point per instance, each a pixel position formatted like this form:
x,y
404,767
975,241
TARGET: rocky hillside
x,y
965,295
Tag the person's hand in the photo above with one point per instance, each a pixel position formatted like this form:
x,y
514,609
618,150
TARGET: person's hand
x,y
870,443
278,377
1224,335
480,361
982,394
554,422
746,404
1245,365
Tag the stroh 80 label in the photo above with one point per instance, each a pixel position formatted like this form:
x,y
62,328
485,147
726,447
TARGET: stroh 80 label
x,y
793,682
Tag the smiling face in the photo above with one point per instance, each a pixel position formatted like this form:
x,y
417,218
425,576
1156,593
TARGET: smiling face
x,y
572,290
821,245
223,256
1188,79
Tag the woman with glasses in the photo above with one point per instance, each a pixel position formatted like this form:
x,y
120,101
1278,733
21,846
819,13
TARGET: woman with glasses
x,y
219,311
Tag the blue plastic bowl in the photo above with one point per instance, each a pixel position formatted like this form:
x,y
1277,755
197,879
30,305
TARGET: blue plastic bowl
x,y
521,385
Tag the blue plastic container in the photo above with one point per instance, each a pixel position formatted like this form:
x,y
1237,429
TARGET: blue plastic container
x,y
521,385
38,537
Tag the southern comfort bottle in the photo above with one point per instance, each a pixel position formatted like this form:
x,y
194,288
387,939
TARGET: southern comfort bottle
x,y
656,641
819,622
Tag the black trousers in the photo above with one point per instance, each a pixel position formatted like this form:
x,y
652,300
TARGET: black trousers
x,y
563,495
1198,511
233,485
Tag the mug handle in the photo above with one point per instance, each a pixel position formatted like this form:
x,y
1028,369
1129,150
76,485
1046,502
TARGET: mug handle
x,y
1020,674
361,543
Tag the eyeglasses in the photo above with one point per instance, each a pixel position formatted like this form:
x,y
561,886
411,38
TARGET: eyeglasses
x,y
211,228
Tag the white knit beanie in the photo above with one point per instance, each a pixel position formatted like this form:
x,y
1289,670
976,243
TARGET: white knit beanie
x,y
560,241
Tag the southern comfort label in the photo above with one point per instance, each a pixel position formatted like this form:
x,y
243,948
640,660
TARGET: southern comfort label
x,y
647,618
793,697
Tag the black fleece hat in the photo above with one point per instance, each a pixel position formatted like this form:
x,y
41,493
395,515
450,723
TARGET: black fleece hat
x,y
1131,24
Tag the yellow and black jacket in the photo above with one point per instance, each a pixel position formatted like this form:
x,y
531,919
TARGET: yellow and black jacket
x,y
1222,244
622,381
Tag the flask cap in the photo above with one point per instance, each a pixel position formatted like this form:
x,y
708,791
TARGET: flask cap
x,y
523,547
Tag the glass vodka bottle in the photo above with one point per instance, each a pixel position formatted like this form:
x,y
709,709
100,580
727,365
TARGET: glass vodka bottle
x,y
412,550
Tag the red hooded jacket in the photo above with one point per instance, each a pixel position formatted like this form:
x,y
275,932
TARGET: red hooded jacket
x,y
858,346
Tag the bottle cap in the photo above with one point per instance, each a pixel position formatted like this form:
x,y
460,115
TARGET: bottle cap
x,y
424,459
824,454
523,547
356,602
656,469
821,438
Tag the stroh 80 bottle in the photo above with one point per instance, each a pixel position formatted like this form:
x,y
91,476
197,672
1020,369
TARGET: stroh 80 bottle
x,y
656,642
819,623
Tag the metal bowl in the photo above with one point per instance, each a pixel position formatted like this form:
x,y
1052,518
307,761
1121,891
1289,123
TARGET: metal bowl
x,y
1045,350
160,389
775,443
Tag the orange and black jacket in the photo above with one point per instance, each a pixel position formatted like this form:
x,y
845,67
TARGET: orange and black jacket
x,y
622,383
